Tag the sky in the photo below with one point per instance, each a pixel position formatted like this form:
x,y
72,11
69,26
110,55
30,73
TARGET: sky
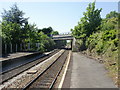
x,y
61,16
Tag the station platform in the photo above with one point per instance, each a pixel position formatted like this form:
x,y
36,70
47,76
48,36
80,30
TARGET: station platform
x,y
20,58
84,72
15,55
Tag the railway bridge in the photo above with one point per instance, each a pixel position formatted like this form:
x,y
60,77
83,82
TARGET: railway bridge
x,y
65,37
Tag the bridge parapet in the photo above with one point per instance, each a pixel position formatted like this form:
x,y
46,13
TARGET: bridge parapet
x,y
65,33
62,35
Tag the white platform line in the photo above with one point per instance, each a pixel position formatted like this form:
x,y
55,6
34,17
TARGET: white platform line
x,y
63,77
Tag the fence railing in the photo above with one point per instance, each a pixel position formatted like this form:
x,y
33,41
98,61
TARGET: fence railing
x,y
65,33
12,48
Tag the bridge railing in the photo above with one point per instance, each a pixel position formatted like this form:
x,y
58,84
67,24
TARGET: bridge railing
x,y
66,33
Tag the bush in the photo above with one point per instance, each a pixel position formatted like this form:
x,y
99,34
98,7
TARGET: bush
x,y
103,40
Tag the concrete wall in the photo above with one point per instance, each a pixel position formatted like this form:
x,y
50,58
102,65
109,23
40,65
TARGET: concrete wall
x,y
74,47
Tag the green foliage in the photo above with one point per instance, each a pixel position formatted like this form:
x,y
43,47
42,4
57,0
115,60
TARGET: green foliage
x,y
88,24
47,31
47,43
14,15
10,32
92,41
79,44
109,35
112,14
101,41
92,18
14,25
99,36
16,29
55,33
108,24
105,39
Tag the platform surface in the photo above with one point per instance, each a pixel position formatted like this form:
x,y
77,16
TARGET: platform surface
x,y
15,55
84,72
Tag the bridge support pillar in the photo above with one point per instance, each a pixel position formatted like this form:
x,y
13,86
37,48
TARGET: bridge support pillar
x,y
74,48
71,44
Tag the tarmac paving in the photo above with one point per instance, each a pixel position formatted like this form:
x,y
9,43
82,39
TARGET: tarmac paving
x,y
84,72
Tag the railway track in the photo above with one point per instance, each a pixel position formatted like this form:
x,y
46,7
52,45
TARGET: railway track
x,y
17,70
47,78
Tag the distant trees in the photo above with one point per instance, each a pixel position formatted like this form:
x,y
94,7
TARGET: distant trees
x,y
55,33
46,31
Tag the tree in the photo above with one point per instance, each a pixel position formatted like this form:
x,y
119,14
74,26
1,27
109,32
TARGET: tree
x,y
14,25
10,32
89,23
55,33
17,30
14,15
46,31
91,19
112,14
46,44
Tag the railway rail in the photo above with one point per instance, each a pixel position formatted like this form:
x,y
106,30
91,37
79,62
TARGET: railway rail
x,y
17,70
47,78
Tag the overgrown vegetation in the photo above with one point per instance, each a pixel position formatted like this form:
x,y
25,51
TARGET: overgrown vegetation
x,y
98,37
16,30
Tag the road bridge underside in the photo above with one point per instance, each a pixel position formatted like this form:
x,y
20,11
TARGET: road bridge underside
x,y
71,43
63,37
